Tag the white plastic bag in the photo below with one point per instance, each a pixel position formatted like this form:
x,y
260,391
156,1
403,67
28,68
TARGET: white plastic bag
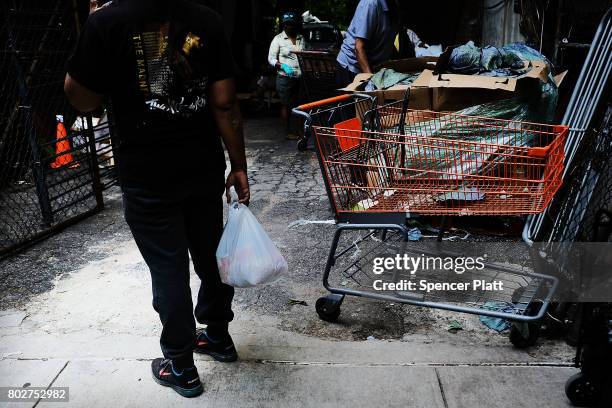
x,y
246,256
428,51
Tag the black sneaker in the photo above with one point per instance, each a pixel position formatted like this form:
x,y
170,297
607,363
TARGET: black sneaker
x,y
221,350
186,382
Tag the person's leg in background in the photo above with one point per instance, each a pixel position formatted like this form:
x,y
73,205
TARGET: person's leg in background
x,y
287,89
344,76
293,127
204,223
301,98
158,226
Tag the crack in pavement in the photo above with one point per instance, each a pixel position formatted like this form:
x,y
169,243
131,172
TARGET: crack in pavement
x,y
442,393
432,364
52,381
333,364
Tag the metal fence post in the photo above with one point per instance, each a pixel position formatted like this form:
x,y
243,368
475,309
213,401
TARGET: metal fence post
x,y
38,170
90,134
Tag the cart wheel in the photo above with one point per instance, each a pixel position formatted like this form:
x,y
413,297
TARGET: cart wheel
x,y
582,391
328,307
302,145
523,335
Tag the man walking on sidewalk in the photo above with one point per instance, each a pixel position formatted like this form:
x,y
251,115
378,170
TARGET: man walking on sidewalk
x,y
166,67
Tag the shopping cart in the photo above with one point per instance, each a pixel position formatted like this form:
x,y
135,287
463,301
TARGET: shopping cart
x,y
389,163
318,79
581,108
581,213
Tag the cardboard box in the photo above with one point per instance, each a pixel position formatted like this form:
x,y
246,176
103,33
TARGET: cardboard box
x,y
419,98
452,92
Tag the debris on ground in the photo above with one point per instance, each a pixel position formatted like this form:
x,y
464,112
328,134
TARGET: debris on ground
x,y
496,323
414,234
299,223
454,326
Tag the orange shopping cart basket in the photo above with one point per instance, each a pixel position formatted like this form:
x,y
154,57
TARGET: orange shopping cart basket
x,y
424,162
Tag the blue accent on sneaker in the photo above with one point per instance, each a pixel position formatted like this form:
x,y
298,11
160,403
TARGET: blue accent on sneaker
x,y
221,349
174,371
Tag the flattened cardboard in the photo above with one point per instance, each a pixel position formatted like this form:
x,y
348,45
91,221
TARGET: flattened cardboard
x,y
454,99
428,79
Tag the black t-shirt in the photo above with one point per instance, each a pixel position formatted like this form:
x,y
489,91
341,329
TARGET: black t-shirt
x,y
156,63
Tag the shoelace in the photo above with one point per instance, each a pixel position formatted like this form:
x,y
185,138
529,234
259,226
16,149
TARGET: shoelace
x,y
164,364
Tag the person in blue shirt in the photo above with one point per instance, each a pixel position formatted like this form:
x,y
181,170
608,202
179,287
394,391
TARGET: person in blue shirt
x,y
369,39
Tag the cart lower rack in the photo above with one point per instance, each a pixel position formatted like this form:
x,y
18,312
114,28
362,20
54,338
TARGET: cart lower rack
x,y
387,163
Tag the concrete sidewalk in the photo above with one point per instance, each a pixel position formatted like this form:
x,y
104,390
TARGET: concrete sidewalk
x,y
76,311
277,368
95,332
127,383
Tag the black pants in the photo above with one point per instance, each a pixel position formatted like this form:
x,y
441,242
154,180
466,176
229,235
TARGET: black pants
x,y
344,76
167,227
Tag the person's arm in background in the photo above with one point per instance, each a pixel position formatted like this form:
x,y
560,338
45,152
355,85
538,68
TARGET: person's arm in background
x,y
82,98
273,56
362,57
226,111
86,81
362,27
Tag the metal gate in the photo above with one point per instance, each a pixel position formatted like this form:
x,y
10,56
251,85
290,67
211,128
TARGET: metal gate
x,y
49,161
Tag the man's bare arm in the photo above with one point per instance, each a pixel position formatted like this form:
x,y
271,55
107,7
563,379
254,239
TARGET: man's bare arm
x,y
362,57
226,111
83,99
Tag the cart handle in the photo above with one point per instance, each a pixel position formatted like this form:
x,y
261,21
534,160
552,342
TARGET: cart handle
x,y
311,105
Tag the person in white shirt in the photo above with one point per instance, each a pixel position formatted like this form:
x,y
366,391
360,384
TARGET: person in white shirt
x,y
282,58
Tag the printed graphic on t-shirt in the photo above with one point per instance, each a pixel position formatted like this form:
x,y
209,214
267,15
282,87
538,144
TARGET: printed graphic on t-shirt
x,y
168,77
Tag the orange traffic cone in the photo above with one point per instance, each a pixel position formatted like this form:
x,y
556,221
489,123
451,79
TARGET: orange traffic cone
x,y
63,157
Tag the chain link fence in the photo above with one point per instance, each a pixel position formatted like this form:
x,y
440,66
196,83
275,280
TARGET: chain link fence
x,y
54,164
